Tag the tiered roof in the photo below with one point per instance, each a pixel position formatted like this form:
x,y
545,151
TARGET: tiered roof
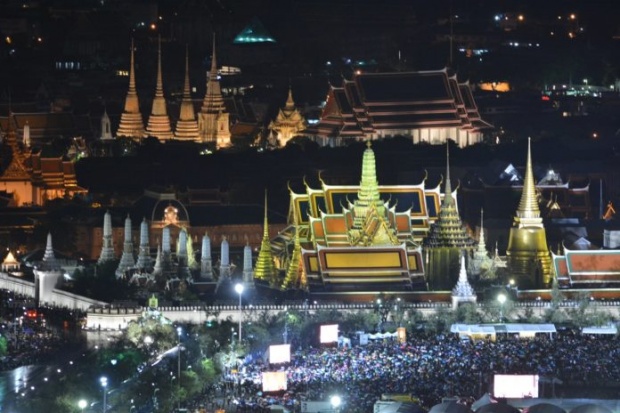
x,y
187,125
213,102
159,122
131,124
463,291
265,268
289,121
448,231
355,234
373,102
17,169
587,267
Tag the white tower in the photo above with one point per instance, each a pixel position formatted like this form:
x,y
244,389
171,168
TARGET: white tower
x,y
248,271
206,266
224,260
127,260
463,291
107,250
145,261
47,274
106,127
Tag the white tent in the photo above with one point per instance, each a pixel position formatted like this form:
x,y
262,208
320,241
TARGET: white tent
x,y
606,329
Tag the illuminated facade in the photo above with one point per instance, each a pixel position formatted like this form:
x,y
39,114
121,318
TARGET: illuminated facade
x,y
446,241
213,119
132,124
288,123
187,125
528,254
33,178
429,106
159,122
352,237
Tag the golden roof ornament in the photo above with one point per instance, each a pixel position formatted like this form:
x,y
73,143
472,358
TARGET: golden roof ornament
x,y
528,205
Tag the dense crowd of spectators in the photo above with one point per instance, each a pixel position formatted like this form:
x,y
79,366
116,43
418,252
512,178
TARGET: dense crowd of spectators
x,y
431,368
33,335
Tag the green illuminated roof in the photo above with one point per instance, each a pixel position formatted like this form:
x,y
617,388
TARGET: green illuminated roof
x,y
254,32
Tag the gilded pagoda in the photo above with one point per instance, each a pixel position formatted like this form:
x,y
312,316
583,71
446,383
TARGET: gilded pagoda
x,y
528,254
131,125
446,241
362,237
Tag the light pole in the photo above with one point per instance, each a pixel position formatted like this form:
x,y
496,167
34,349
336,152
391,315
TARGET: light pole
x,y
239,290
104,383
179,331
82,405
501,298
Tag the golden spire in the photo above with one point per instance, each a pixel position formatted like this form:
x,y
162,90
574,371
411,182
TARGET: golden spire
x,y
131,124
213,117
447,198
290,103
132,78
187,125
528,206
369,187
448,230
213,101
265,268
159,123
295,275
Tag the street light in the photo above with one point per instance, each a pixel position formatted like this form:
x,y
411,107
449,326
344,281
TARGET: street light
x,y
239,290
82,404
335,401
501,298
179,331
104,383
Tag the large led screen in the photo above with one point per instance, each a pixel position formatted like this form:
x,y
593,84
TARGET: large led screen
x,y
280,353
274,381
329,333
514,386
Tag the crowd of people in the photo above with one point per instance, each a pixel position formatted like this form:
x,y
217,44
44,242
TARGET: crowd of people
x,y
32,335
431,368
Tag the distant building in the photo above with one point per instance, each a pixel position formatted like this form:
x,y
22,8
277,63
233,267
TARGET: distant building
x,y
213,118
287,124
430,106
34,177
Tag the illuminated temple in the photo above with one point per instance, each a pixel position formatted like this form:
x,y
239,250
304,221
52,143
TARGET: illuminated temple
x,y
427,106
358,237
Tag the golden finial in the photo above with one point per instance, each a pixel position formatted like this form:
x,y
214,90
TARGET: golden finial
x,y
528,205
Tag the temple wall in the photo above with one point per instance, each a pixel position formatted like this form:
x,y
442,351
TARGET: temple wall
x,y
55,297
109,318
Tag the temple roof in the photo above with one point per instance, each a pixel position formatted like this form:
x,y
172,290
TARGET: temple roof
x,y
254,32
400,100
588,266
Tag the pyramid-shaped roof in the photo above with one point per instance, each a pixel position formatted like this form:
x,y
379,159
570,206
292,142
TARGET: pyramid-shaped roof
x,y
254,32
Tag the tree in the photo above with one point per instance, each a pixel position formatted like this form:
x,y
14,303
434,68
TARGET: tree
x,y
555,313
441,320
161,334
467,313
